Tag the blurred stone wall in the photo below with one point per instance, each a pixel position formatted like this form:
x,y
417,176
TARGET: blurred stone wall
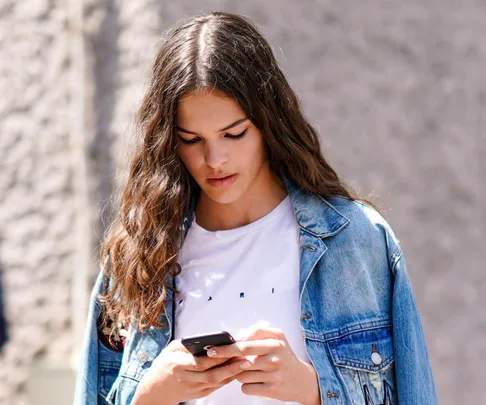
x,y
396,89
36,213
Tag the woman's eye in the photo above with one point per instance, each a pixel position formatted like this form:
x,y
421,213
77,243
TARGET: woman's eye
x,y
189,141
237,135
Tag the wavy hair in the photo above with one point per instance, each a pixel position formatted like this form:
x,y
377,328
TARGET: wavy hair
x,y
217,50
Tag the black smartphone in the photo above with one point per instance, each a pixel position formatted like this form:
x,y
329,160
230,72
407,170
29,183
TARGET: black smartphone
x,y
199,345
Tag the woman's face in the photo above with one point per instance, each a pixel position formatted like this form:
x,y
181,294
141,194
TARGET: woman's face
x,y
220,147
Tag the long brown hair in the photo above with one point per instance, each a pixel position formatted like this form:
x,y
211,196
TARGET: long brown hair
x,y
216,50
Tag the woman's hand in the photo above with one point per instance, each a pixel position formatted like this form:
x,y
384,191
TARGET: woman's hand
x,y
177,376
274,370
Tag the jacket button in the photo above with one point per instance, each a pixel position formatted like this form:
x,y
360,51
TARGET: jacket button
x,y
142,357
376,358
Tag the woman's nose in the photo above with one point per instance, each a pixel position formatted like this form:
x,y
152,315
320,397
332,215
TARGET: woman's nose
x,y
215,155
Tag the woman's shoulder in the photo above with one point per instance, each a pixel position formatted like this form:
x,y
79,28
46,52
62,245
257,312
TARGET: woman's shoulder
x,y
357,211
365,222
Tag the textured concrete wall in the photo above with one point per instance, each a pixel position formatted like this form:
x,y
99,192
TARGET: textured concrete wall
x,y
36,212
396,89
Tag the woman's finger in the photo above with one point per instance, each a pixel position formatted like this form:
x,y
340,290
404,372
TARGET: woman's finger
x,y
268,362
176,345
246,348
259,389
254,377
202,363
217,375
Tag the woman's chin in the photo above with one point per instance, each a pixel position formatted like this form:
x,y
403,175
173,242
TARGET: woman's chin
x,y
222,196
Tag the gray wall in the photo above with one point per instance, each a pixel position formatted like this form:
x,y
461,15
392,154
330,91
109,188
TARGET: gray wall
x,y
396,89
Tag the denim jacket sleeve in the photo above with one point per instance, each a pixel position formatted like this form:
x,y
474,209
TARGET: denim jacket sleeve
x,y
415,383
98,366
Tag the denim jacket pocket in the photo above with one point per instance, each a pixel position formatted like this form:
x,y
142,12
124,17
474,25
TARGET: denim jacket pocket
x,y
123,388
109,368
365,361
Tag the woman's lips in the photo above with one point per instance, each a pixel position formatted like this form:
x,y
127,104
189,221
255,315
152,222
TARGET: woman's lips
x,y
222,181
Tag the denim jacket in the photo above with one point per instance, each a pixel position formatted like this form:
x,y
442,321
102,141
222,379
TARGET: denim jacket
x,y
360,321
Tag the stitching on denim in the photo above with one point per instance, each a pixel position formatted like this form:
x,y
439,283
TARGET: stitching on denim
x,y
137,377
110,364
361,366
370,325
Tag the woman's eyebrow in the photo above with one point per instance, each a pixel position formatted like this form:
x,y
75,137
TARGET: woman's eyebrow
x,y
234,124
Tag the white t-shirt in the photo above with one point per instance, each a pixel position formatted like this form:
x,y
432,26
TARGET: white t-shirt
x,y
236,278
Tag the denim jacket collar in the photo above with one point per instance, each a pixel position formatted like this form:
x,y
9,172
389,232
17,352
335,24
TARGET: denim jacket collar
x,y
314,214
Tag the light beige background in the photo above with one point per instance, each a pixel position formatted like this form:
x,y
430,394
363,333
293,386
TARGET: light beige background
x,y
397,90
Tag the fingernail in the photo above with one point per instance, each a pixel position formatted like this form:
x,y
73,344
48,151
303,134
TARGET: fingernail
x,y
245,365
212,352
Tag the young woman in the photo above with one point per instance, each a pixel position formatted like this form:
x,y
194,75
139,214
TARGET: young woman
x,y
233,220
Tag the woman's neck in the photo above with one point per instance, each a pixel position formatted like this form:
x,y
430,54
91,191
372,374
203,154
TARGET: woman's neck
x,y
260,198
